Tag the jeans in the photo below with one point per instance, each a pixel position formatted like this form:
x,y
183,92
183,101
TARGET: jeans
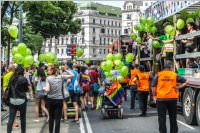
x,y
55,108
12,114
143,98
163,107
133,90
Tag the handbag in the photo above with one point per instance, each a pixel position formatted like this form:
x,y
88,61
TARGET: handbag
x,y
6,95
41,93
65,92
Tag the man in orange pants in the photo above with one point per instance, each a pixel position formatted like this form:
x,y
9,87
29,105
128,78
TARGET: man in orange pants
x,y
166,91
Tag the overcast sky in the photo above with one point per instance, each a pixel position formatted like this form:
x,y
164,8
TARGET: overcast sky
x,y
116,3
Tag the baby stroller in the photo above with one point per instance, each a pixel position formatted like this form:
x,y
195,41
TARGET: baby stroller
x,y
111,107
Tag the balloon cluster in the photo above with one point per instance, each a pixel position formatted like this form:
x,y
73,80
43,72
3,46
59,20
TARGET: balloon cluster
x,y
114,62
22,55
48,57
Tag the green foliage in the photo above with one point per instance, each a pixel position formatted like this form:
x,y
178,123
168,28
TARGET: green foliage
x,y
32,40
52,18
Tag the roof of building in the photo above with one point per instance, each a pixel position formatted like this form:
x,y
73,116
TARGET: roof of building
x,y
103,9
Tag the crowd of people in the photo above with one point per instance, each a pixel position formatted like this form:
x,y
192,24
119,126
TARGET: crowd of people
x,y
53,86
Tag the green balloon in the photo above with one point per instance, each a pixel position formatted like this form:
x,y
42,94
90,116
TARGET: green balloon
x,y
138,40
109,57
22,49
108,74
169,29
50,57
87,61
18,58
28,51
189,20
156,44
36,64
124,71
103,65
118,64
150,21
141,28
28,60
173,33
133,36
136,27
153,29
120,78
13,31
129,57
109,65
79,52
26,65
117,56
180,24
14,50
41,58
147,28
143,20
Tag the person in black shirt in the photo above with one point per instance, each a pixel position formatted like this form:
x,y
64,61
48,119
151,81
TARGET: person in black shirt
x,y
18,86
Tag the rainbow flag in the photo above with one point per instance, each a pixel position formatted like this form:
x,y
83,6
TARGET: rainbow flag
x,y
115,93
86,76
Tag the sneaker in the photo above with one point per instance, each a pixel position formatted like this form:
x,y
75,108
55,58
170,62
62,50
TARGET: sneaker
x,y
3,110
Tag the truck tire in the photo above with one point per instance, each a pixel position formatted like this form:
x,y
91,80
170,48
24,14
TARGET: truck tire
x,y
198,109
188,107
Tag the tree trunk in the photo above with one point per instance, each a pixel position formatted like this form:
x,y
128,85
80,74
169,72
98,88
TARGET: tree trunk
x,y
3,10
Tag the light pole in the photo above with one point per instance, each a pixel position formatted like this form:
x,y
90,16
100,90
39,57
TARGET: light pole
x,y
20,22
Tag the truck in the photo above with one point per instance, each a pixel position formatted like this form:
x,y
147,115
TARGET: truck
x,y
189,99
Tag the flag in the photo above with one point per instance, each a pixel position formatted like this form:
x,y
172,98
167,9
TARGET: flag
x,y
115,93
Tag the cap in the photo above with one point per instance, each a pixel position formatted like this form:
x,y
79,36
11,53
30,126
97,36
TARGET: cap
x,y
69,64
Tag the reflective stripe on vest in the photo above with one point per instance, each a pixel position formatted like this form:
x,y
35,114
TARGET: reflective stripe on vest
x,y
134,72
166,85
143,82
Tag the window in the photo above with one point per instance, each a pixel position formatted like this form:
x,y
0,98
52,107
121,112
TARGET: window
x,y
104,51
128,16
102,30
58,51
108,22
93,30
115,23
119,32
93,21
100,21
146,3
82,20
62,41
104,22
112,23
104,41
108,41
62,51
119,24
94,51
83,40
115,32
125,31
100,40
93,40
112,32
99,51
112,40
108,31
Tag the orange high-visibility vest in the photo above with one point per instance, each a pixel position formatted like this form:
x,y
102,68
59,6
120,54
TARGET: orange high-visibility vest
x,y
143,81
134,72
165,88
125,80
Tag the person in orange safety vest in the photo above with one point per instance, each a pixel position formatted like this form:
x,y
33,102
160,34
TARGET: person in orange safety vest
x,y
143,87
133,86
166,93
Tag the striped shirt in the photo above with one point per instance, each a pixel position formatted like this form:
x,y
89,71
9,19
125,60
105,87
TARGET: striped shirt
x,y
55,84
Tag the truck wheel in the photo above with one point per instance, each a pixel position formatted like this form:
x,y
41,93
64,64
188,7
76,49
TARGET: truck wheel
x,y
188,107
198,109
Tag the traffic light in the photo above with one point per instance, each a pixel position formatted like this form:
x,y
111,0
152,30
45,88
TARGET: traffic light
x,y
68,50
72,50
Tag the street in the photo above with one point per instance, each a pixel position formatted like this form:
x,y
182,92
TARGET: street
x,y
92,122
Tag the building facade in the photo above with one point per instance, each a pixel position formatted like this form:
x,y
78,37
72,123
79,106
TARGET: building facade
x,y
100,25
131,13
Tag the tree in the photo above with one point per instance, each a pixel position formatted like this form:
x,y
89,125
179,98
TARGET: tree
x,y
52,18
32,40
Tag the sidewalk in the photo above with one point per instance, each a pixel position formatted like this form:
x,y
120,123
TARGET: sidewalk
x,y
31,126
38,127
